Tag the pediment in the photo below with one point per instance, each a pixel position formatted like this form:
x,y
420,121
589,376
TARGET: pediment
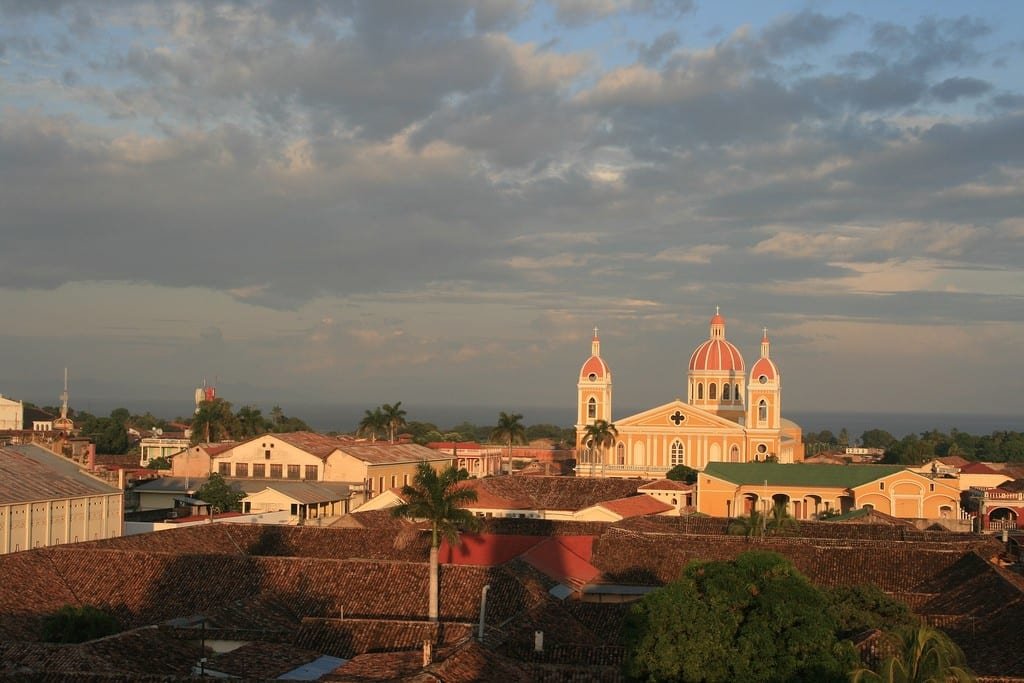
x,y
677,414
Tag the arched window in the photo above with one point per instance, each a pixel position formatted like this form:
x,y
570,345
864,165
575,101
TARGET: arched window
x,y
700,390
725,392
762,410
620,453
677,453
734,453
737,393
712,391
592,408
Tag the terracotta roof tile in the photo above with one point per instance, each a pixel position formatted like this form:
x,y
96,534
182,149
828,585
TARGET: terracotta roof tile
x,y
666,485
636,506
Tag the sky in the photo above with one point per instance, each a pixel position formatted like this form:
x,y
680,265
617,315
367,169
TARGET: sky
x,y
436,202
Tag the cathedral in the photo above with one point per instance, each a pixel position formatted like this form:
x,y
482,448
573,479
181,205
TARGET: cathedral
x,y
730,415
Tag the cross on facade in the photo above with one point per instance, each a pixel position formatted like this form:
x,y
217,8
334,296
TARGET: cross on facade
x,y
677,417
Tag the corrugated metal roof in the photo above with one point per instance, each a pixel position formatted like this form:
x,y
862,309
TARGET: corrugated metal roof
x,y
29,473
308,492
389,454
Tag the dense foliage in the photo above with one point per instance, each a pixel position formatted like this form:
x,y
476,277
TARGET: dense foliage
x,y
72,624
755,618
913,449
218,493
682,473
923,655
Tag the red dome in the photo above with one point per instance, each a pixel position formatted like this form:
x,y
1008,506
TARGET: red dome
x,y
766,367
716,355
718,319
594,366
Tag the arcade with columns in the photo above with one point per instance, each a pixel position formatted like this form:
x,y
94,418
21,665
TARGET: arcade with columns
x,y
730,415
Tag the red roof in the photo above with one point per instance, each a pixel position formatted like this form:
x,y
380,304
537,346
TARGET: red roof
x,y
448,445
486,550
565,559
766,367
594,365
716,354
636,506
978,468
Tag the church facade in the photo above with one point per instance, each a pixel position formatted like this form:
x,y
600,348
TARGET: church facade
x,y
730,415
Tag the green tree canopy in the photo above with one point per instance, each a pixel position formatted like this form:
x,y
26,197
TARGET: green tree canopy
x,y
218,493
682,473
71,624
214,422
394,417
926,655
755,618
373,422
510,430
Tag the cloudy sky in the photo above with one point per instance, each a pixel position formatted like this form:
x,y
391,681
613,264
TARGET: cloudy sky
x,y
435,202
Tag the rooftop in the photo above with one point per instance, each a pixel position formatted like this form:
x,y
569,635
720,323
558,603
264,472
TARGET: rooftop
x,y
29,473
798,474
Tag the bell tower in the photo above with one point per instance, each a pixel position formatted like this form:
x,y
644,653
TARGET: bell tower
x,y
593,389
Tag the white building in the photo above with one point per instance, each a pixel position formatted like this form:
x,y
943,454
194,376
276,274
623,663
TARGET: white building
x,y
46,500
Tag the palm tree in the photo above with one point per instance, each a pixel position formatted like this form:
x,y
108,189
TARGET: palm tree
x,y
438,498
509,429
779,522
372,422
394,418
601,434
926,655
752,526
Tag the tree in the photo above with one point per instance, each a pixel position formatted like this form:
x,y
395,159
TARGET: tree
x,y
509,429
926,655
219,494
372,422
602,434
439,499
394,417
752,526
780,522
214,422
161,463
682,473
251,421
755,618
861,608
72,624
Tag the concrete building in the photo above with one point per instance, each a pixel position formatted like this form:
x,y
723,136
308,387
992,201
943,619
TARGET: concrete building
x,y
735,489
730,415
47,500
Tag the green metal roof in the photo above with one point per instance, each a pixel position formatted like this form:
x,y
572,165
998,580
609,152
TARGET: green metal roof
x,y
799,474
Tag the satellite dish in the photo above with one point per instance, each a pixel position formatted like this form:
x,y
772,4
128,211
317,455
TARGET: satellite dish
x,y
158,431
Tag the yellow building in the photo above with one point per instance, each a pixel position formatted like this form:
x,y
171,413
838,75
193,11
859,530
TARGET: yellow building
x,y
736,489
730,415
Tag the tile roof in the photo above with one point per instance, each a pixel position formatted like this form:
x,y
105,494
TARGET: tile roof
x,y
666,485
486,549
978,468
347,638
565,559
30,473
797,474
636,506
319,445
557,493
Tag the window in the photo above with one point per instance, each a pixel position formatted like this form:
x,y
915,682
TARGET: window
x,y
700,390
382,484
293,471
677,453
881,486
763,379
394,481
737,392
241,469
405,480
259,470
712,391
311,472
225,469
762,448
620,453
726,396
762,410
592,377
931,487
266,455
592,408
275,471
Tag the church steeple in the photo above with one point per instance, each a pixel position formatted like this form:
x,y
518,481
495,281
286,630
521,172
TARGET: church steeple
x,y
765,345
